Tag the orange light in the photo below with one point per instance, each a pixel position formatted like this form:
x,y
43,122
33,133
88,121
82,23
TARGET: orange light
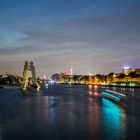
x,y
95,86
90,92
96,93
89,86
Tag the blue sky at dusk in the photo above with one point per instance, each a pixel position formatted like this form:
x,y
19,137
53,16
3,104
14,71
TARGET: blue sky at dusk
x,y
97,36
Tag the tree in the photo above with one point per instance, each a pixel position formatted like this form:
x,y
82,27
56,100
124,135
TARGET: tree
x,y
122,75
134,75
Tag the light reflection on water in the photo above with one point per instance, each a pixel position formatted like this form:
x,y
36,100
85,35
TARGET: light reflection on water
x,y
64,112
111,119
52,112
93,90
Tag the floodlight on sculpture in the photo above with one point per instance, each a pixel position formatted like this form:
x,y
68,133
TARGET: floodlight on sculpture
x,y
25,76
33,81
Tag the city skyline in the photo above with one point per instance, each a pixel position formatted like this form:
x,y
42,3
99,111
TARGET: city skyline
x,y
96,36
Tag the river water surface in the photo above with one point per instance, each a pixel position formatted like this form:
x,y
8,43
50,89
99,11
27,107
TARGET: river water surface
x,y
68,112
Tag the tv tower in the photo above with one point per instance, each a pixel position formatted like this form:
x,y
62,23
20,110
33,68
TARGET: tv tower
x,y
71,74
71,70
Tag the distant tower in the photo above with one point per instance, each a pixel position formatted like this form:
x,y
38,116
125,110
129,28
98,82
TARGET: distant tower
x,y
71,70
71,74
44,77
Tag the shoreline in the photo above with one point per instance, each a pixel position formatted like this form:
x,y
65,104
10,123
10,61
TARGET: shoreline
x,y
6,85
101,85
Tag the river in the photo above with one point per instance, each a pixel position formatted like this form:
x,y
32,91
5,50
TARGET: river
x,y
68,112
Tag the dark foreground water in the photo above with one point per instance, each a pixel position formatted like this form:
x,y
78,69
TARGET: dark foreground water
x,y
68,112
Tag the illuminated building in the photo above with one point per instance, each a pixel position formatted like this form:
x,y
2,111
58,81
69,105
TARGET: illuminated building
x,y
137,71
129,77
127,70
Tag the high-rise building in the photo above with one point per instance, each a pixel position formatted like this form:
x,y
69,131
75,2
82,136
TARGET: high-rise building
x,y
127,70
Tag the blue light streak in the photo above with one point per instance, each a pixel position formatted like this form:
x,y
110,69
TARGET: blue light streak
x,y
116,98
111,120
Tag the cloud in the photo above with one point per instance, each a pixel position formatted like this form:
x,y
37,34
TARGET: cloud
x,y
90,35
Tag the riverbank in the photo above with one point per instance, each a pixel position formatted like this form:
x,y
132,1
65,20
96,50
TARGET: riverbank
x,y
100,85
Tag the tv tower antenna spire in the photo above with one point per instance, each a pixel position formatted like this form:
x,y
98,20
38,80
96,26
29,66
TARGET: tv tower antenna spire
x,y
71,69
